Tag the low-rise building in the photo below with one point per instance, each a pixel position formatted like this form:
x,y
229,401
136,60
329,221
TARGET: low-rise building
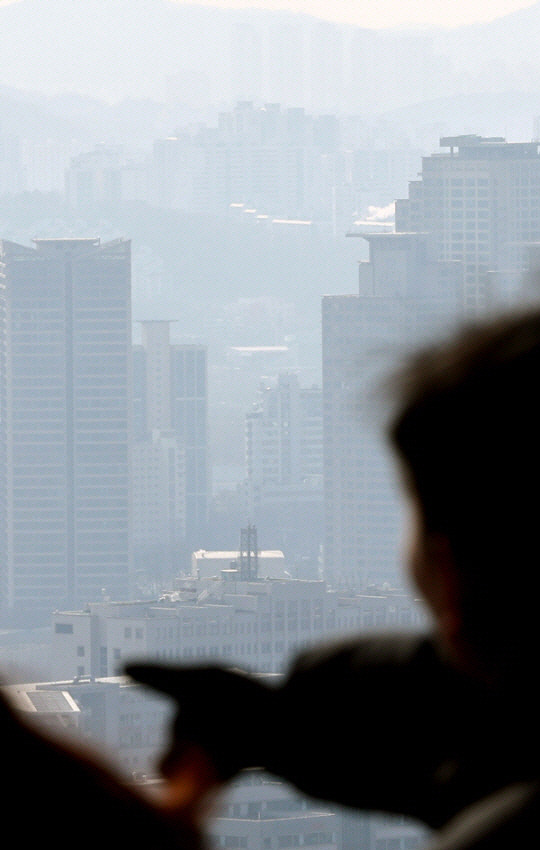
x,y
257,624
261,813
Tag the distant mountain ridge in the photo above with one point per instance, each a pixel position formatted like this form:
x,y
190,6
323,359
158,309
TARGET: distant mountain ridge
x,y
138,69
116,49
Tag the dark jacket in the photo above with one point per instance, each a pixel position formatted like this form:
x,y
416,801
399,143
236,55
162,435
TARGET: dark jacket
x,y
382,723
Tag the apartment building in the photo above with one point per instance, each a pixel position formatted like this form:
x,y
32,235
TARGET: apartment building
x,y
480,199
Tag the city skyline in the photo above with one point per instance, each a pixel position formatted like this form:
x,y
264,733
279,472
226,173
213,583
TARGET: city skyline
x,y
198,378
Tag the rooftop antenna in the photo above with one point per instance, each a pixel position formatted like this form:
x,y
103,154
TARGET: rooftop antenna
x,y
249,556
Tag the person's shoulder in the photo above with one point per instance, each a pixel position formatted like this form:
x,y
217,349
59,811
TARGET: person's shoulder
x,y
396,649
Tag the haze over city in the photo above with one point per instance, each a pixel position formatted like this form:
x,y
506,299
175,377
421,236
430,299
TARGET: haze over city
x,y
222,226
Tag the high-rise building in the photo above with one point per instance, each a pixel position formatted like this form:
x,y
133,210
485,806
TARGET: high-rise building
x,y
405,296
65,424
481,201
171,443
284,464
159,509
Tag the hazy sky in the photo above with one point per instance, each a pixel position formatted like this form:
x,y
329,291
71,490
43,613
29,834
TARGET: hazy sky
x,y
387,13
379,13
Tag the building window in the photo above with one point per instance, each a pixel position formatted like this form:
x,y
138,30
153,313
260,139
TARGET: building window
x,y
288,841
63,629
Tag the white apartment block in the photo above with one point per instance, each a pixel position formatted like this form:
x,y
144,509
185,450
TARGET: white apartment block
x,y
171,478
105,176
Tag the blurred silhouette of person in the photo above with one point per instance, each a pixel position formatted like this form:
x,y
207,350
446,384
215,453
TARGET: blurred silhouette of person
x,y
442,726
54,787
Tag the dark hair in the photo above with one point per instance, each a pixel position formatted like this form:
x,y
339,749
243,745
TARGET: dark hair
x,y
468,431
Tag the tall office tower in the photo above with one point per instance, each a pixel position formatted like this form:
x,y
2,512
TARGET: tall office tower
x,y
481,202
170,413
405,296
65,340
284,464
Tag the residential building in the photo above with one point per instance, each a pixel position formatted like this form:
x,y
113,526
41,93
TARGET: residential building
x,y
159,508
105,177
481,201
65,425
284,463
172,477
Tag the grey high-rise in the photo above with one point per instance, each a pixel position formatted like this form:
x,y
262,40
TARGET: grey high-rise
x,y
480,200
65,378
405,296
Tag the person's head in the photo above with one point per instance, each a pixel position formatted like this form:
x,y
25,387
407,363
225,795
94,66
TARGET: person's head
x,y
468,434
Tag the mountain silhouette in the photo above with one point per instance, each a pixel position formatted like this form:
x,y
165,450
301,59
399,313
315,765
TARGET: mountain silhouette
x,y
200,56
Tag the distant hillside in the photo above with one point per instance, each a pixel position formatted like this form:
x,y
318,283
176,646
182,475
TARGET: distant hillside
x,y
194,57
87,120
512,114
113,49
511,40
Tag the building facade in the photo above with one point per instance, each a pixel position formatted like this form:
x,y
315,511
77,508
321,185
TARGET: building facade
x,y
284,463
159,508
65,373
405,296
171,469
258,625
481,201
